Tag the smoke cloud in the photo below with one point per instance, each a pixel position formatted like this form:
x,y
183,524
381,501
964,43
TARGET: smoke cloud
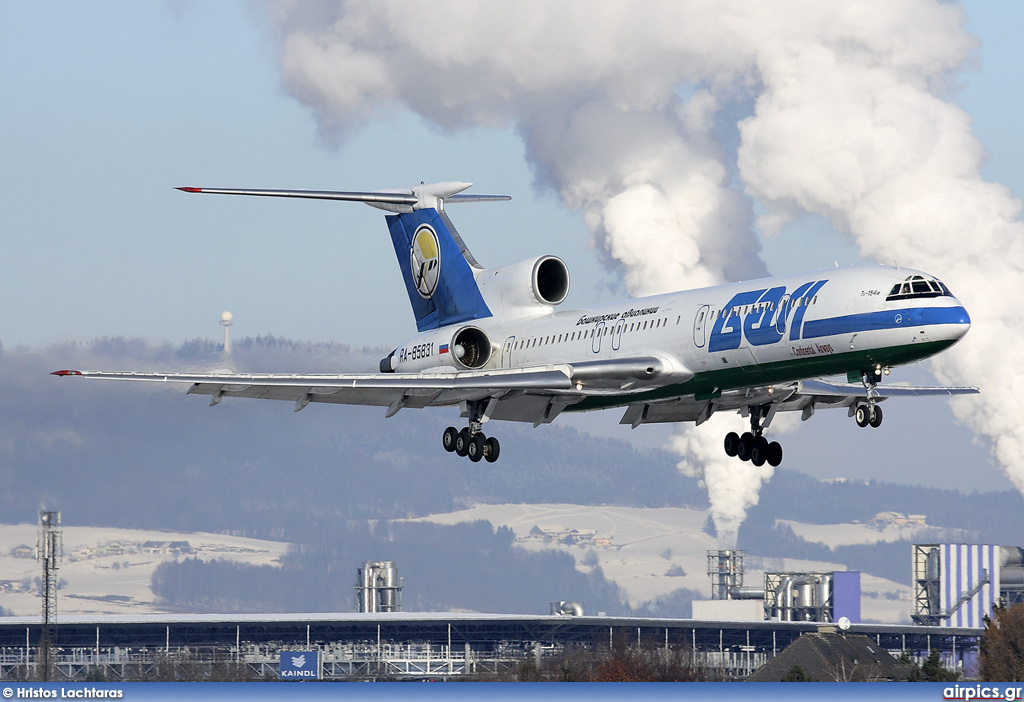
x,y
665,122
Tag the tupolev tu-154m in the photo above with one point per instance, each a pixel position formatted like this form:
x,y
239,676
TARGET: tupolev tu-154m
x,y
494,342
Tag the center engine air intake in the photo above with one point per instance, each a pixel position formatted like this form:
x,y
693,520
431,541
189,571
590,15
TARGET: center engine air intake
x,y
550,280
527,287
470,347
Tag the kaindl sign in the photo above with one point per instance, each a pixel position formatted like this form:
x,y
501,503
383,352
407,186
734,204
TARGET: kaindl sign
x,y
300,665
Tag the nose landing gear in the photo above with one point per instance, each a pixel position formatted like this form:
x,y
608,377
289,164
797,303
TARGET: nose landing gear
x,y
869,412
753,446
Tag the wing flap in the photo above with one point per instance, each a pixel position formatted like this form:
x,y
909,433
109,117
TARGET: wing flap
x,y
805,396
826,389
379,389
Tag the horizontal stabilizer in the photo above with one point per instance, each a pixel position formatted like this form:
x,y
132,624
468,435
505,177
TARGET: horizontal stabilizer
x,y
422,196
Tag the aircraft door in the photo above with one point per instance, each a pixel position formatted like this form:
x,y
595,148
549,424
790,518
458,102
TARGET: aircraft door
x,y
700,325
782,311
617,334
598,333
506,352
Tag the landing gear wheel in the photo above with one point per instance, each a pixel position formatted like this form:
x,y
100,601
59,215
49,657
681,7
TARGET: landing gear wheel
x,y
862,415
476,448
759,451
448,439
876,417
752,445
732,442
491,449
745,446
462,443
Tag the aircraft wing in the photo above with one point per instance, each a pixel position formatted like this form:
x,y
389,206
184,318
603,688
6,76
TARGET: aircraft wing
x,y
535,394
392,390
804,396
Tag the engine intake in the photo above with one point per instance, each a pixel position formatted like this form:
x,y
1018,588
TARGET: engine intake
x,y
470,347
525,287
550,280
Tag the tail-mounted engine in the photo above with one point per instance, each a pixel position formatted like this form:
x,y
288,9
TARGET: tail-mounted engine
x,y
531,285
470,348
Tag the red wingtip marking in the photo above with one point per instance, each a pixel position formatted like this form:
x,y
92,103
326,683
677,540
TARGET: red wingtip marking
x,y
66,372
190,190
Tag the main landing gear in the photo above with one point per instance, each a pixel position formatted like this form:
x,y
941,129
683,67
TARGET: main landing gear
x,y
466,443
752,446
471,441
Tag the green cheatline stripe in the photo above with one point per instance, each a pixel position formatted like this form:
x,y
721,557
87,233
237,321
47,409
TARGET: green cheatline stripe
x,y
708,382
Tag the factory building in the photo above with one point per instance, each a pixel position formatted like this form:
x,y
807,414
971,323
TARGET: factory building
x,y
956,585
785,597
378,587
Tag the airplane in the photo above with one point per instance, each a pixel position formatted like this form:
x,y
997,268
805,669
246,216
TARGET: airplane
x,y
495,343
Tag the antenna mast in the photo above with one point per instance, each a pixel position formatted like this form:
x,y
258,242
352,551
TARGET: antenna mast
x,y
49,550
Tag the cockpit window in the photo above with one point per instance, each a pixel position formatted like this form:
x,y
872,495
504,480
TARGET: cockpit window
x,y
916,286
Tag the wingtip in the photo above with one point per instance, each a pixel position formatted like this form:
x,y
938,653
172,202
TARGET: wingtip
x,y
66,372
187,189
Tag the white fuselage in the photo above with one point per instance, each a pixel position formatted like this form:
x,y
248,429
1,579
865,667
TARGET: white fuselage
x,y
769,330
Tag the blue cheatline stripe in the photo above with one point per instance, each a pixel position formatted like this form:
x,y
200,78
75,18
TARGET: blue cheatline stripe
x,y
888,319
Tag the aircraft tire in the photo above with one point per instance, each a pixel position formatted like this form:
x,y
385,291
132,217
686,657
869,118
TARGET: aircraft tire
x,y
743,449
732,441
476,448
862,416
876,417
491,449
759,451
775,454
462,443
448,439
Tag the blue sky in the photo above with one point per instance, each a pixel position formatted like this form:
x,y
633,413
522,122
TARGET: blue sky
x,y
109,106
112,105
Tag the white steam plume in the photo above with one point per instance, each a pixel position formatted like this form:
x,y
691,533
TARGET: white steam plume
x,y
623,109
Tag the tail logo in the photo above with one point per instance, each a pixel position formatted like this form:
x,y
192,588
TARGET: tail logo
x,y
425,260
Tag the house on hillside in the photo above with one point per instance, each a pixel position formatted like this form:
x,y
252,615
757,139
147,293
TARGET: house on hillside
x,y
885,519
834,657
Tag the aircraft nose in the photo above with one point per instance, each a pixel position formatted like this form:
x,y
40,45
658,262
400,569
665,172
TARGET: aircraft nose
x,y
959,321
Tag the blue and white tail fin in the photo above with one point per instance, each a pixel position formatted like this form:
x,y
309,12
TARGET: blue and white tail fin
x,y
436,264
438,272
